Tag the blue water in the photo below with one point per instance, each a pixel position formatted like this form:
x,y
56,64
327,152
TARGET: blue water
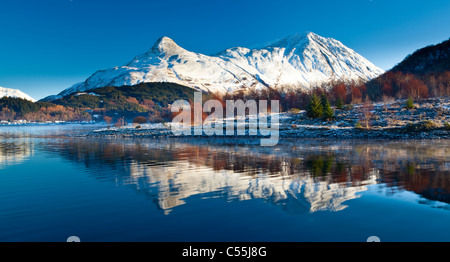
x,y
53,186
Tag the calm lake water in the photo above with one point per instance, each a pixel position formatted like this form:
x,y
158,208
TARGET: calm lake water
x,y
53,186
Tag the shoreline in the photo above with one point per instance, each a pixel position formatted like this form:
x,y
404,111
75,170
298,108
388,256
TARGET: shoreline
x,y
426,120
306,133
389,120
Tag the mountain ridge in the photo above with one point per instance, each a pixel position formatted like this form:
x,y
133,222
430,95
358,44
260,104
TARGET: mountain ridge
x,y
302,60
429,59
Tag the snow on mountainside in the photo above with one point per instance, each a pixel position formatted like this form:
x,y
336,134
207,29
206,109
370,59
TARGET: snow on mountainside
x,y
302,60
9,92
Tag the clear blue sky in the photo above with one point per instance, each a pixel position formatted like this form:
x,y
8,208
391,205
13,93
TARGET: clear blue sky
x,y
48,45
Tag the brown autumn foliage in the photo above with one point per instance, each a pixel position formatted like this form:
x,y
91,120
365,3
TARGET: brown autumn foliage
x,y
403,85
120,122
6,114
147,104
387,89
339,91
388,86
58,113
132,100
356,95
140,120
107,119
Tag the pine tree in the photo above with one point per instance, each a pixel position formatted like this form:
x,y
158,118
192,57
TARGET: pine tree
x,y
409,103
339,103
314,109
326,108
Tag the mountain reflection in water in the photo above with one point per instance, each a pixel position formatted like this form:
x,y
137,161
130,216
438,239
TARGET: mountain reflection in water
x,y
15,152
299,176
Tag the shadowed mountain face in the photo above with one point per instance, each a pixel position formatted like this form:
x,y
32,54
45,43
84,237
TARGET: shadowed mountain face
x,y
430,59
423,74
302,61
304,177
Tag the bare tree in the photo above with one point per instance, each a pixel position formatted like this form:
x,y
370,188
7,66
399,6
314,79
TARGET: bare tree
x,y
366,113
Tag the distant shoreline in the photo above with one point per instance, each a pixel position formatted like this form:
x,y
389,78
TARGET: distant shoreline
x,y
26,123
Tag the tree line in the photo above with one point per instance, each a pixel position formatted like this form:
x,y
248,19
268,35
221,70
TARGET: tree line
x,y
12,108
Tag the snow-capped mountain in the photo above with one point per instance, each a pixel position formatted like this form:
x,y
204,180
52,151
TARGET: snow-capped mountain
x,y
14,93
302,61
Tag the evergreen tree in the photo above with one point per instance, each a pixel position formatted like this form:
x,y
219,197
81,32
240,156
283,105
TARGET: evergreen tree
x,y
328,112
409,103
323,100
339,103
314,109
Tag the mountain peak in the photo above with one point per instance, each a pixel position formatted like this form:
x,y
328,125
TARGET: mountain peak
x,y
9,92
164,41
313,36
296,41
165,45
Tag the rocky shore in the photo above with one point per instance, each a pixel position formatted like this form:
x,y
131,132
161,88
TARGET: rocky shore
x,y
428,119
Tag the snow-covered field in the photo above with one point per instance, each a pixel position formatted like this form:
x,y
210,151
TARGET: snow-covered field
x,y
387,120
